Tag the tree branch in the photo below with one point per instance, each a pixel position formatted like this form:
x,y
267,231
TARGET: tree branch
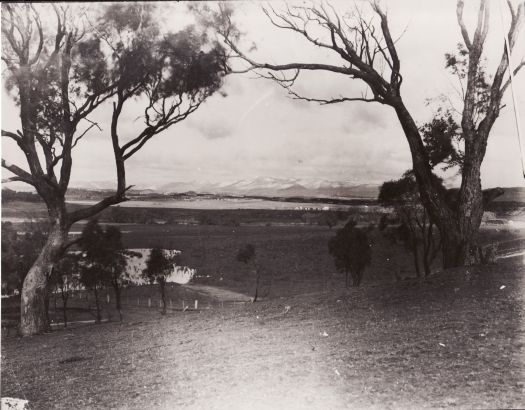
x,y
515,71
464,31
20,174
85,213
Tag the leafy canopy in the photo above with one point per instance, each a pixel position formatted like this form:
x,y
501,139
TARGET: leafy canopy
x,y
350,248
246,253
160,264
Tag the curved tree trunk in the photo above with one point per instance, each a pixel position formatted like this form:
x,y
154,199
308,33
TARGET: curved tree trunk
x,y
458,221
33,316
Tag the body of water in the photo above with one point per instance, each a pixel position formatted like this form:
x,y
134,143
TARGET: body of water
x,y
232,203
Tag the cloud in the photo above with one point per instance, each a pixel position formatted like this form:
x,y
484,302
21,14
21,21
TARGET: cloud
x,y
213,130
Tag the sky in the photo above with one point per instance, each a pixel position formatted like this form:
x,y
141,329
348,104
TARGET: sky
x,y
257,130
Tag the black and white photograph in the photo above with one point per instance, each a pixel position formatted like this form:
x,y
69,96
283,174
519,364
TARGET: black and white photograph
x,y
268,205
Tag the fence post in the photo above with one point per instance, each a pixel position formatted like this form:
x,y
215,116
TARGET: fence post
x,y
196,304
107,297
149,302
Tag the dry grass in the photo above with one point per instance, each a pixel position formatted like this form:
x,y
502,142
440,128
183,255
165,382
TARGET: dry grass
x,y
456,340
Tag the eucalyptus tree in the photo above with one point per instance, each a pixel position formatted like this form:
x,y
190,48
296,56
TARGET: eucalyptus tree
x,y
350,249
159,266
416,229
66,274
247,254
104,251
366,52
62,62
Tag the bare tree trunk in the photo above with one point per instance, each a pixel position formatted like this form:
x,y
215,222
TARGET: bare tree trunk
x,y
47,300
64,305
430,249
415,254
470,201
257,279
97,304
356,278
459,222
118,303
33,317
426,254
162,285
55,299
46,308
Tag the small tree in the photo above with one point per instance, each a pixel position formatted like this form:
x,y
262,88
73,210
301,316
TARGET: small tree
x,y
93,278
159,266
351,252
65,274
104,250
417,228
247,254
329,218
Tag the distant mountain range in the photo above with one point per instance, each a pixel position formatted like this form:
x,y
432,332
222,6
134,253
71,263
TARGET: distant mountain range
x,y
275,187
264,186
284,187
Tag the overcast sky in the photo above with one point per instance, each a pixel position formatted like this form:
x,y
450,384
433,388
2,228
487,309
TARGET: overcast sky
x,y
258,131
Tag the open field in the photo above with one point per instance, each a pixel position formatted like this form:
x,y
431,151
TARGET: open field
x,y
454,340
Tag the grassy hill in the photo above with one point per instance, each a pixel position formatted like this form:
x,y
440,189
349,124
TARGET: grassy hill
x,y
455,340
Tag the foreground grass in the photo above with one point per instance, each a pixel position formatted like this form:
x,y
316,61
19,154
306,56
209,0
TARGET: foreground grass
x,y
456,340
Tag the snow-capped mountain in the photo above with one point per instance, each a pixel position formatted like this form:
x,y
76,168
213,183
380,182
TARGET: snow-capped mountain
x,y
270,186
260,186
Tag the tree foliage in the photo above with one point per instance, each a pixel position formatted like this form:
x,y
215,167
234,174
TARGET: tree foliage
x,y
246,253
351,251
103,249
442,139
416,228
159,265
19,251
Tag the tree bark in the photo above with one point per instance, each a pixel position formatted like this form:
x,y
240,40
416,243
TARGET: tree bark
x,y
33,317
457,222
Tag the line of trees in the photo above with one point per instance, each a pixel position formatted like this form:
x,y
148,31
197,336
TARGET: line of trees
x,y
98,264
